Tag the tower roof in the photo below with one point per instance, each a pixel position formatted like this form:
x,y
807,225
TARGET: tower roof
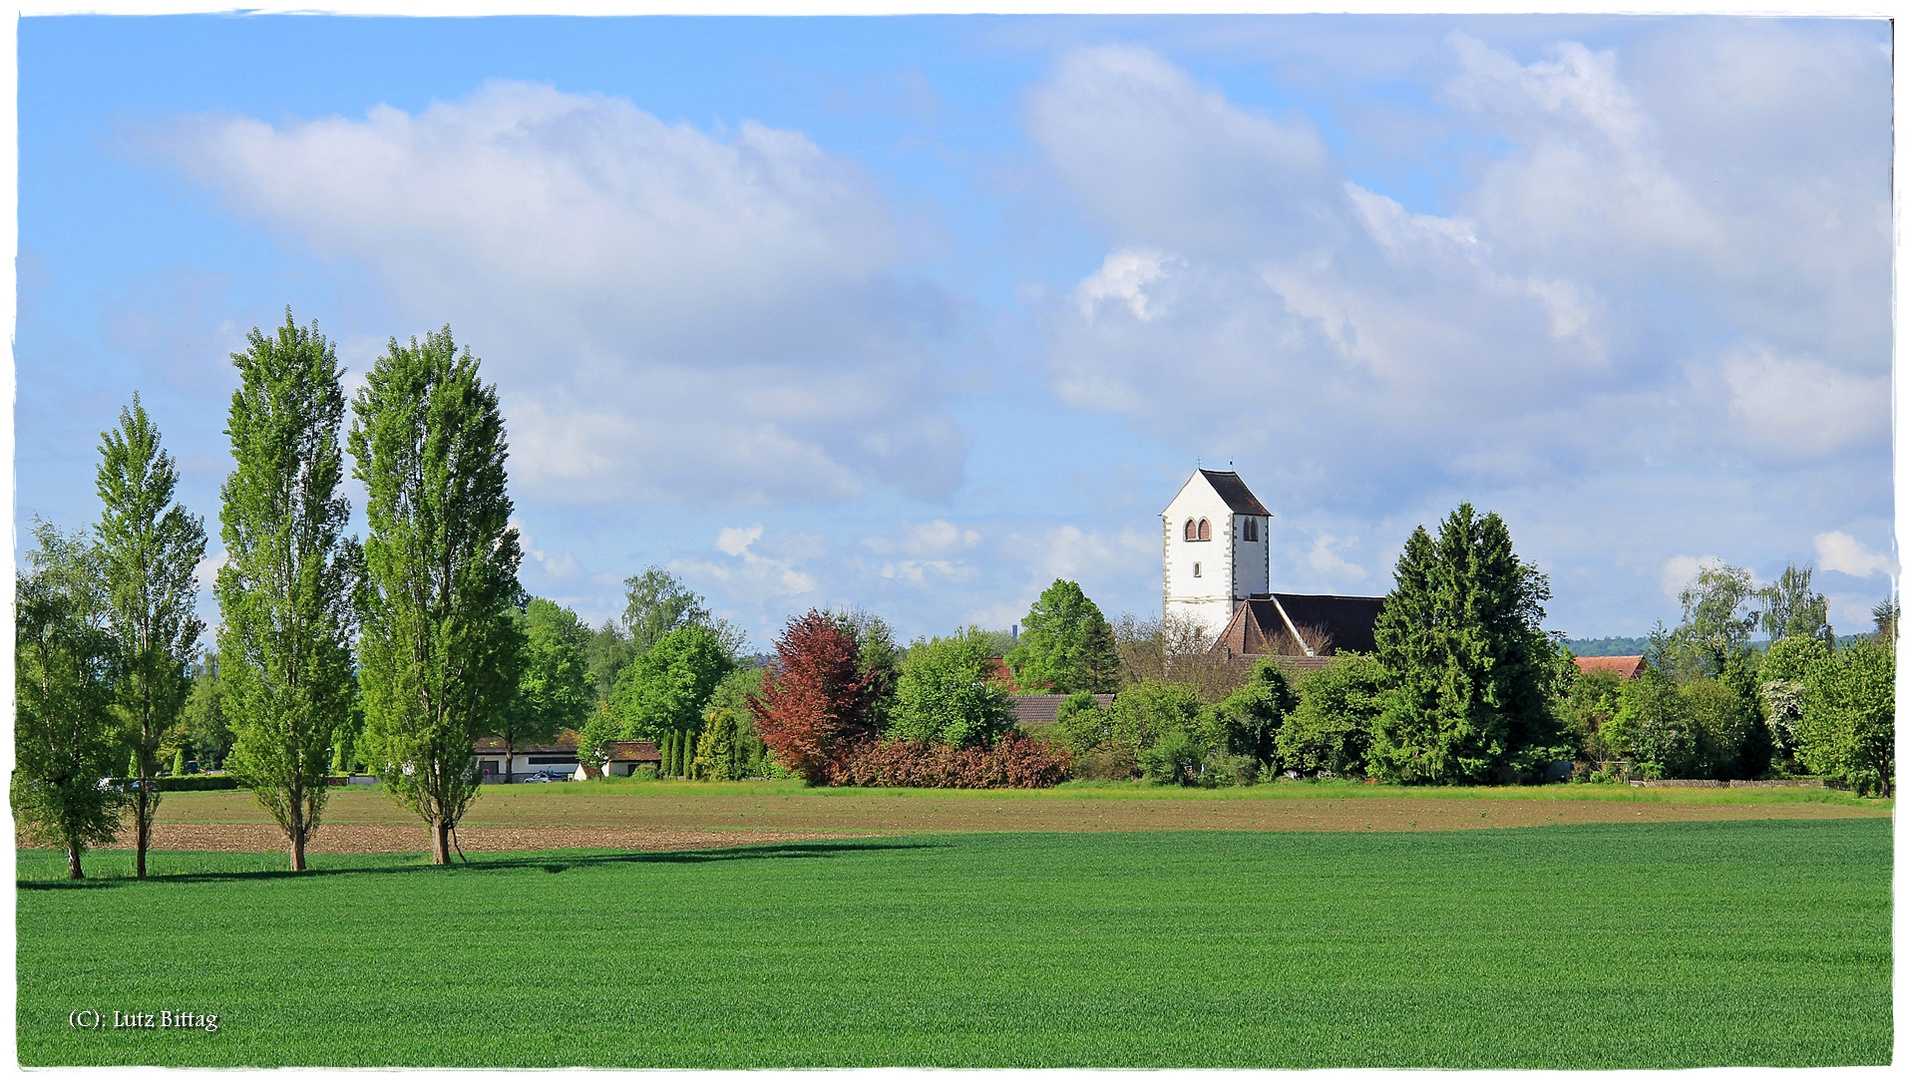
x,y
1233,490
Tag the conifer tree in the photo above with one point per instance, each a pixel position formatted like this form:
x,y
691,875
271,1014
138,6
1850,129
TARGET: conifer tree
x,y
65,740
151,549
439,654
1469,663
285,589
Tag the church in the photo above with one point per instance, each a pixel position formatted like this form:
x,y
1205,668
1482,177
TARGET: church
x,y
1217,553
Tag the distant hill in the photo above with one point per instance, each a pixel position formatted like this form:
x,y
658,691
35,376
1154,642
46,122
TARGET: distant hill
x,y
1607,646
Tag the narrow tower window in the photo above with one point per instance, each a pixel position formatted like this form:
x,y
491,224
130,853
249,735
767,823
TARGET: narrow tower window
x,y
1191,530
1250,531
1206,531
1196,569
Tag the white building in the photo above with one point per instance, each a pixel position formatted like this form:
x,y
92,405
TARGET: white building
x,y
1214,542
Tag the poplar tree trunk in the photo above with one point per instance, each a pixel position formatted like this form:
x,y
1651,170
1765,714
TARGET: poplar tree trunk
x,y
73,871
440,842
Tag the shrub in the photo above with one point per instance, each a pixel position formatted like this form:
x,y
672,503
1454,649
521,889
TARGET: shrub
x,y
1081,723
1248,721
1014,761
1149,709
1331,728
1848,726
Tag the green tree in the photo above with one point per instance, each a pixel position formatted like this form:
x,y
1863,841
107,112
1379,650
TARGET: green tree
x,y
65,737
1248,721
1653,727
285,589
1886,613
1589,702
947,692
657,602
208,732
1330,730
1149,709
1782,679
1717,624
553,683
1471,668
151,549
1848,726
880,660
1791,608
605,654
1066,645
439,653
662,694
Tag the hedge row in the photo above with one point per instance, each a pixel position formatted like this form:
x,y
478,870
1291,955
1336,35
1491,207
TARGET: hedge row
x,y
1014,761
197,783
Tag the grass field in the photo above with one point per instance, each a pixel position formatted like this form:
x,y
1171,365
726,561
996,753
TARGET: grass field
x,y
1615,946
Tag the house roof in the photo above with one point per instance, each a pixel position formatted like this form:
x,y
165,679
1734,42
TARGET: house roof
x,y
1627,667
636,750
491,744
1234,492
1042,708
1263,625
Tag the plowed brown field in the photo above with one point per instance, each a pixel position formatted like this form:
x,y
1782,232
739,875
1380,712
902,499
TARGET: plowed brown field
x,y
536,818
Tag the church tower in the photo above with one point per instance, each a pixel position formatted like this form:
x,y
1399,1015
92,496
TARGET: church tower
x,y
1215,547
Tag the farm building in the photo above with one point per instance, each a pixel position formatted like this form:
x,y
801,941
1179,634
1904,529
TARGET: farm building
x,y
495,763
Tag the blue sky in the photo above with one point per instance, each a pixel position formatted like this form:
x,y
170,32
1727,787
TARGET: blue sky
x,y
918,314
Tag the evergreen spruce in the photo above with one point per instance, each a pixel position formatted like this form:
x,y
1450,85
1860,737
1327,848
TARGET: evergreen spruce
x,y
1469,663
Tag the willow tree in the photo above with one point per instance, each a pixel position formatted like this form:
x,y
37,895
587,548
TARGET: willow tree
x,y
150,548
285,589
438,654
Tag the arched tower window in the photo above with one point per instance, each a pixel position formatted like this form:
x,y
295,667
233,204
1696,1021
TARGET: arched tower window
x,y
1192,531
1249,530
1206,531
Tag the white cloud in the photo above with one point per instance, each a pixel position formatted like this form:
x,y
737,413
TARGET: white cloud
x,y
1124,276
1845,554
1803,404
557,567
1329,562
1680,570
670,313
750,571
1553,321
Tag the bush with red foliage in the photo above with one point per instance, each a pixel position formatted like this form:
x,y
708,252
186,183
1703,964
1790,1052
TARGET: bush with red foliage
x,y
1014,761
816,701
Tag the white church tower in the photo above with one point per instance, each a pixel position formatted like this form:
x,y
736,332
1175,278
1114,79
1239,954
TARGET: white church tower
x,y
1215,547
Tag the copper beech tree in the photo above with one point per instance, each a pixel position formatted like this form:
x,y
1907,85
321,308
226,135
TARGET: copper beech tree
x,y
817,699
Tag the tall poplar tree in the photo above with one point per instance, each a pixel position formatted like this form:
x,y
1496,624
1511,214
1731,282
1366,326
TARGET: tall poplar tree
x,y
1462,641
285,589
150,548
65,741
438,656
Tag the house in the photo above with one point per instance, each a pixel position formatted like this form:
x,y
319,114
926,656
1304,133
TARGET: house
x,y
1627,667
1217,570
623,757
495,764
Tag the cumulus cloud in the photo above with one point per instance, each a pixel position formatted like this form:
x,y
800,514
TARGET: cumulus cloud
x,y
746,570
1680,570
672,313
1607,288
1845,554
1324,559
926,552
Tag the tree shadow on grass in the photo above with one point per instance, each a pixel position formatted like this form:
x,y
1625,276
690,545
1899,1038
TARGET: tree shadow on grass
x,y
553,862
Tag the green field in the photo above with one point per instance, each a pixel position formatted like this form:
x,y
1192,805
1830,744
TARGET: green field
x,y
1608,946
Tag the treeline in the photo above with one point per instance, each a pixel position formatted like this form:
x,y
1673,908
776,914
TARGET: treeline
x,y
1710,705
401,647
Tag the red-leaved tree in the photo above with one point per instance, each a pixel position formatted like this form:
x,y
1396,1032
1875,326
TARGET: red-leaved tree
x,y
816,698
